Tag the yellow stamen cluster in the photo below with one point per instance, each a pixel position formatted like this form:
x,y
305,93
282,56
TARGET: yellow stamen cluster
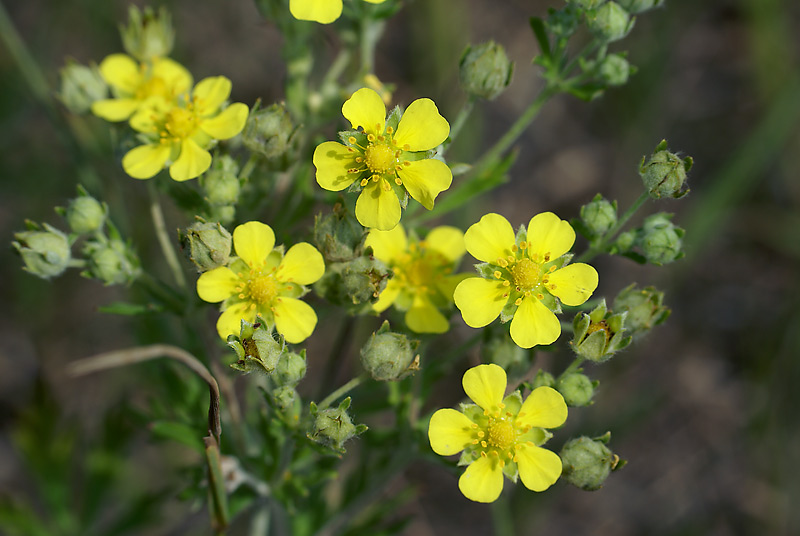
x,y
179,123
499,437
524,272
259,287
380,157
420,268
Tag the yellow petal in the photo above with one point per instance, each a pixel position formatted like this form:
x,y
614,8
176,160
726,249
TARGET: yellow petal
x,y
490,239
544,408
210,93
449,432
146,161
388,296
294,319
365,109
253,241
479,300
114,109
538,468
574,283
217,285
485,385
122,72
302,264
333,160
378,208
230,321
177,78
321,11
449,241
534,324
423,317
482,481
425,179
421,127
228,123
550,236
387,246
192,162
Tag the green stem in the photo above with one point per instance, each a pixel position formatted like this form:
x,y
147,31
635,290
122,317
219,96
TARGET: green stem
x,y
573,367
601,246
22,57
344,389
163,238
502,517
461,118
249,166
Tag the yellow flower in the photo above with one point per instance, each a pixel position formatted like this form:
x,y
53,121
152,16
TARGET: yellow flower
x,y
136,85
388,158
423,282
263,280
499,435
182,133
523,276
322,11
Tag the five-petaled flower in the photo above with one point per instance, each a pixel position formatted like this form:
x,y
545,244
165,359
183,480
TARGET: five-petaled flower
x,y
388,160
423,281
263,280
499,435
180,134
137,85
523,276
322,11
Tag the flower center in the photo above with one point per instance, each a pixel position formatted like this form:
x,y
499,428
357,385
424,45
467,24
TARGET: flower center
x,y
180,123
263,289
526,274
501,434
380,158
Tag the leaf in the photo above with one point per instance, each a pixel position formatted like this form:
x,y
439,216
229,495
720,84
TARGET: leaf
x,y
540,32
179,432
130,309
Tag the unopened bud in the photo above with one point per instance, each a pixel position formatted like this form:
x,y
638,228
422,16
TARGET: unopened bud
x,y
599,334
576,388
81,86
291,368
599,215
85,214
268,130
644,307
543,379
485,70
286,398
221,183
609,22
207,245
256,348
333,426
354,284
44,250
388,355
615,70
660,240
587,462
338,235
664,174
640,6
148,35
112,261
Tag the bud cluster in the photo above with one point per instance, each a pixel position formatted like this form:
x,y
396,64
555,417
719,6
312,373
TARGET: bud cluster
x,y
644,308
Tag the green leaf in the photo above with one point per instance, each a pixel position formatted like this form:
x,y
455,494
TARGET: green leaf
x,y
540,32
130,309
178,431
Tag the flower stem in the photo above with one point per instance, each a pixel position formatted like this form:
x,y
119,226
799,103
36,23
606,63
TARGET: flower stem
x,y
461,118
344,389
601,246
163,238
502,517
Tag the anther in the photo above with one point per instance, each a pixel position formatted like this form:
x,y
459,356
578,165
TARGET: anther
x,y
371,137
518,301
498,274
364,182
506,283
397,181
389,130
406,163
540,296
351,140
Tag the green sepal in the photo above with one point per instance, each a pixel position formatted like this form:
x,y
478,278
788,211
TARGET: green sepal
x,y
511,471
361,138
486,270
393,119
522,235
540,32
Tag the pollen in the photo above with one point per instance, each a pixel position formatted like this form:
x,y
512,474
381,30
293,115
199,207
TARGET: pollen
x,y
180,123
526,274
501,434
263,289
380,158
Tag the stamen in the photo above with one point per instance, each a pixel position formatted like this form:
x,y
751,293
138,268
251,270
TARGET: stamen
x,y
518,302
364,182
397,181
371,137
498,274
389,130
351,140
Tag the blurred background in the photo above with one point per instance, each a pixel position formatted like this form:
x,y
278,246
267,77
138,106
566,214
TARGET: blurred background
x,y
704,409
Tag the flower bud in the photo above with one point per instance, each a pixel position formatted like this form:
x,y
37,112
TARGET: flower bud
x,y
112,261
644,307
339,236
599,215
268,130
562,23
664,174
148,35
624,242
615,70
543,379
46,253
354,284
221,183
85,214
333,427
599,334
291,368
609,22
485,70
388,355
576,388
640,6
586,4
256,348
660,240
81,86
587,462
286,397
207,245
